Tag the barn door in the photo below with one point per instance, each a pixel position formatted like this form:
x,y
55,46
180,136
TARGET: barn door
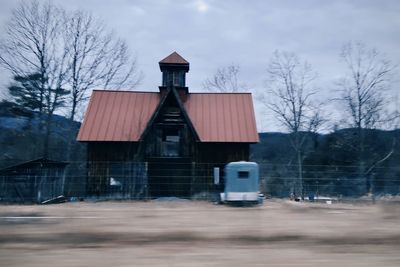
x,y
169,177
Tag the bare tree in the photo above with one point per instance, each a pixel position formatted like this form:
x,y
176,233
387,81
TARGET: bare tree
x,y
364,85
226,79
362,92
32,46
73,51
69,51
290,99
95,58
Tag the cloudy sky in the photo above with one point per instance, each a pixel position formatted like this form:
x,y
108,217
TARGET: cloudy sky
x,y
215,33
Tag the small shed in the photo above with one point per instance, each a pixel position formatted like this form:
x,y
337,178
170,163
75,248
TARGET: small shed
x,y
32,181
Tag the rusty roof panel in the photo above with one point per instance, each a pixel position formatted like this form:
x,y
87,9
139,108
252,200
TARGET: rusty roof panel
x,y
174,58
117,115
124,115
223,117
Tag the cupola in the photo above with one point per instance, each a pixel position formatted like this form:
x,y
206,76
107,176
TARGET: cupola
x,y
174,68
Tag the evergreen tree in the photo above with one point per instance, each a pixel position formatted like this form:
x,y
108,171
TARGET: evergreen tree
x,y
25,91
32,92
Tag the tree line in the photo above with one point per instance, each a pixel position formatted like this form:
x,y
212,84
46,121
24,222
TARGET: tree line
x,y
56,56
293,99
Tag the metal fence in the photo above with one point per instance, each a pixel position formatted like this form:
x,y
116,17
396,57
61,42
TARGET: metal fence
x,y
144,180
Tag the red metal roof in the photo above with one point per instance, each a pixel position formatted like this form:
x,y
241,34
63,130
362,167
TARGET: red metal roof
x,y
222,117
174,58
117,115
123,116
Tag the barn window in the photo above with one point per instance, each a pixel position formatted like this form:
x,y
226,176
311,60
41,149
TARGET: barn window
x,y
175,78
243,174
171,135
170,142
178,78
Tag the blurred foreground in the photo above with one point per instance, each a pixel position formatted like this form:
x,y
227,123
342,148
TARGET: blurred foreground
x,y
187,233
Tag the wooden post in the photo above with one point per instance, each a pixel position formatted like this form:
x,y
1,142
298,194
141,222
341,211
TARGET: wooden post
x,y
146,168
193,178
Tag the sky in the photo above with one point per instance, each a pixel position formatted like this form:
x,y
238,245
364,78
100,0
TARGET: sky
x,y
215,33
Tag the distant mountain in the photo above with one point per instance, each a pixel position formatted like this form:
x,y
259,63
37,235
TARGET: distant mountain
x,y
22,137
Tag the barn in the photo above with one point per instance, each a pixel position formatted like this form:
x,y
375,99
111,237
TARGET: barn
x,y
164,143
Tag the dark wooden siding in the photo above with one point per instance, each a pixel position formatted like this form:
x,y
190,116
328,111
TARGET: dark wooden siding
x,y
154,144
221,152
119,160
166,175
207,156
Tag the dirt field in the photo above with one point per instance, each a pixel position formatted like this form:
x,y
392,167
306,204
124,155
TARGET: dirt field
x,y
278,233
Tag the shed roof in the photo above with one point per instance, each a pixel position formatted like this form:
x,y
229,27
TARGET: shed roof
x,y
124,115
32,163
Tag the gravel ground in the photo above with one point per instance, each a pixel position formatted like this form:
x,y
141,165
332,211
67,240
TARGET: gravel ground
x,y
185,233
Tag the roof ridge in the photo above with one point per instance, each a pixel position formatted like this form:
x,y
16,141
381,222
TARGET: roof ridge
x,y
123,91
222,93
152,92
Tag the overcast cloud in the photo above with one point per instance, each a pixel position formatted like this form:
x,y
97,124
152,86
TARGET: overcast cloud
x,y
214,33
